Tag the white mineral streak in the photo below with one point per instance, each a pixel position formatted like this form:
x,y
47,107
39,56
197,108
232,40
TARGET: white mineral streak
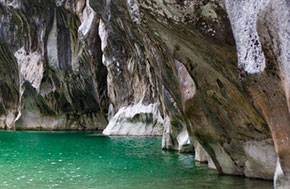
x,y
138,119
30,67
243,16
16,4
87,18
280,180
182,138
200,154
103,33
133,7
52,51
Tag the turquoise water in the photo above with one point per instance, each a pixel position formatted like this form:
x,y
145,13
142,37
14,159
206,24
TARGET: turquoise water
x,y
86,160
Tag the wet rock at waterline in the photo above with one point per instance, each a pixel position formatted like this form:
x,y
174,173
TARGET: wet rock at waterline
x,y
209,76
137,120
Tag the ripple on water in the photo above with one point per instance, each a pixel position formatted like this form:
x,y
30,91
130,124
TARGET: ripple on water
x,y
84,160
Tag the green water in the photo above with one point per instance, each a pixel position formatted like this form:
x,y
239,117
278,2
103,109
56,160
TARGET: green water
x,y
85,160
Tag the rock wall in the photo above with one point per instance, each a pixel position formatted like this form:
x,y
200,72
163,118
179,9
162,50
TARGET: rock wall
x,y
132,84
226,107
63,80
212,74
263,48
9,87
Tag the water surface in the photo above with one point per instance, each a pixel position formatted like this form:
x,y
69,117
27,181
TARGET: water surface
x,y
85,160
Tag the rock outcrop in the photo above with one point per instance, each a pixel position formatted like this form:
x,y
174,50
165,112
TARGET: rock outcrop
x,y
136,120
212,74
221,103
63,80
263,49
9,87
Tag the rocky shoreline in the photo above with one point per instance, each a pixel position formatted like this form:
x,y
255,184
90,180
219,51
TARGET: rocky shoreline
x,y
210,76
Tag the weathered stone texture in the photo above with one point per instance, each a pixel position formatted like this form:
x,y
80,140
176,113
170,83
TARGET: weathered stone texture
x,y
213,73
59,55
9,87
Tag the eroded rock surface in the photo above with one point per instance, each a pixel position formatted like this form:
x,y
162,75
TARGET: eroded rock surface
x,y
213,73
269,87
9,87
63,80
136,120
213,97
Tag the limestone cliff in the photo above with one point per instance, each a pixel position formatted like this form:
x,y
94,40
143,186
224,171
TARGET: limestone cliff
x,y
209,75
63,80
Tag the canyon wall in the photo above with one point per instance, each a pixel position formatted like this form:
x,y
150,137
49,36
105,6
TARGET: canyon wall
x,y
210,75
62,78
